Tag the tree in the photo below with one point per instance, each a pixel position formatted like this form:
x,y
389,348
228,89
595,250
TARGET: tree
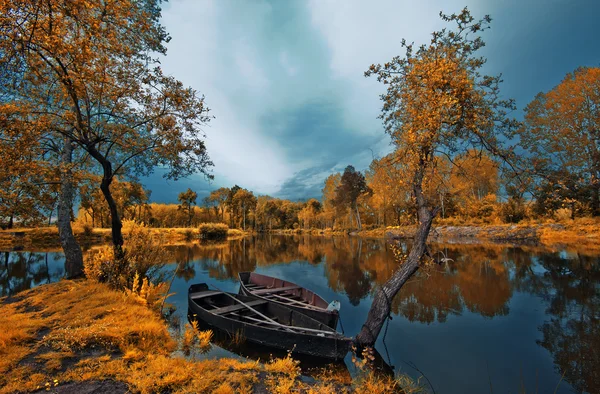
x,y
328,199
352,186
244,201
35,162
391,192
85,70
232,206
219,197
562,133
24,192
131,198
473,183
437,104
187,200
310,213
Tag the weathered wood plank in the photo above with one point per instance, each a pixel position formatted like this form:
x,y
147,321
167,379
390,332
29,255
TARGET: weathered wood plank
x,y
203,294
274,290
236,307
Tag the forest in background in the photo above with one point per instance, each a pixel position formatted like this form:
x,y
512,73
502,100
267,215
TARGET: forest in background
x,y
558,172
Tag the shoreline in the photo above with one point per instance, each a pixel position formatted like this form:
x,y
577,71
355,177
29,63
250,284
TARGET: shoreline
x,y
579,233
583,233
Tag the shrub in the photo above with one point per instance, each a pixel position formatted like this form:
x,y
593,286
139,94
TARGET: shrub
x,y
88,230
513,211
213,230
563,214
234,232
193,338
97,264
144,257
188,235
146,293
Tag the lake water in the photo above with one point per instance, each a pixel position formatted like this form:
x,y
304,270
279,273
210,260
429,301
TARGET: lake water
x,y
512,318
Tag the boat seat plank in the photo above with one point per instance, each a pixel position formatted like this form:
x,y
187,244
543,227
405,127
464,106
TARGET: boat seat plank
x,y
289,301
249,317
274,290
236,307
203,294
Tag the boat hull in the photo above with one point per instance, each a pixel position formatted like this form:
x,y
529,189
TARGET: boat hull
x,y
329,318
329,346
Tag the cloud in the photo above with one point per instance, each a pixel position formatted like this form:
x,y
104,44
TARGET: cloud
x,y
285,79
264,69
221,61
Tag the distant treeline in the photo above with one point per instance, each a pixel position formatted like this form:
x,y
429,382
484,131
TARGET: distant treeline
x,y
558,178
379,197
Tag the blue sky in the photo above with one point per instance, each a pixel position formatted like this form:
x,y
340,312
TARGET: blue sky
x,y
284,78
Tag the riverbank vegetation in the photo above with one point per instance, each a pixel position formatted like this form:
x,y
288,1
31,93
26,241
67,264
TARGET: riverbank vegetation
x,y
83,331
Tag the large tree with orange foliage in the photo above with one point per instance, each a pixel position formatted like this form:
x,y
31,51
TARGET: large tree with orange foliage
x,y
87,71
437,104
562,133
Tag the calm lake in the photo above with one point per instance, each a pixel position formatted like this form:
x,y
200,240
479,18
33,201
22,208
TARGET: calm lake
x,y
513,318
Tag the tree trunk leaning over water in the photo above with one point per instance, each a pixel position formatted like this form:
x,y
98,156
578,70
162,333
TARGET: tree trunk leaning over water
x,y
72,250
381,306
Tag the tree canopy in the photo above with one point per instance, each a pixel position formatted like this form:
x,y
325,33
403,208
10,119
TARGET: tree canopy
x,y
561,133
88,71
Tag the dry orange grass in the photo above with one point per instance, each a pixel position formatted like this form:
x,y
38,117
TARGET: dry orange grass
x,y
582,232
107,334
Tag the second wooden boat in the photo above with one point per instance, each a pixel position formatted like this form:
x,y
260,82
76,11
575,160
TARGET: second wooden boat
x,y
266,323
288,294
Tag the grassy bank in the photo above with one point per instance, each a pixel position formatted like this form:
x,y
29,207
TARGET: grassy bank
x,y
584,232
78,335
47,237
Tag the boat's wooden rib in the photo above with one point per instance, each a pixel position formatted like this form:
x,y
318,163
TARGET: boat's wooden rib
x,y
206,294
274,290
237,307
288,300
288,294
265,322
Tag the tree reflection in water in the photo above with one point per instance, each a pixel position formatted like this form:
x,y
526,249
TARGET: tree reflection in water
x,y
478,279
23,270
572,335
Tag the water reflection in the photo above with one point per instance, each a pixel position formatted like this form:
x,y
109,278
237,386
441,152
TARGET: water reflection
x,y
24,270
477,279
527,314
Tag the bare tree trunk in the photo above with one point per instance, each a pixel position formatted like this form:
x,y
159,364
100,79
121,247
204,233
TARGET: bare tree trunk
x,y
380,309
358,223
595,196
72,250
384,210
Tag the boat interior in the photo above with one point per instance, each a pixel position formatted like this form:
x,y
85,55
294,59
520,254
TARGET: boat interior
x,y
256,311
281,291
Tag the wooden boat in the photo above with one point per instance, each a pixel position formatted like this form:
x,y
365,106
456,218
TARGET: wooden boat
x,y
266,323
289,294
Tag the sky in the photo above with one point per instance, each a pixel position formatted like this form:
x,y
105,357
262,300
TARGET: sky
x,y
285,81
